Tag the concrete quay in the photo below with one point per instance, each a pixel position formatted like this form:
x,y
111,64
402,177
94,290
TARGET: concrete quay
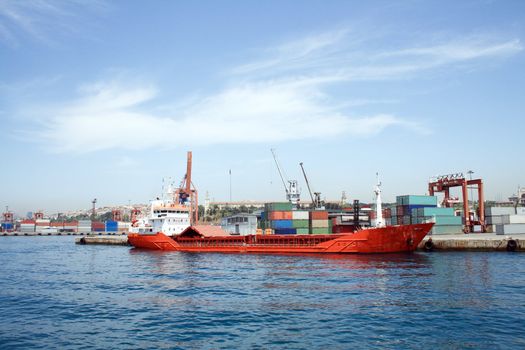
x,y
474,242
103,240
17,233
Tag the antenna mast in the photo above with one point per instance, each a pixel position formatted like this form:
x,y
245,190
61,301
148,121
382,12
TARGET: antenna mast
x,y
379,209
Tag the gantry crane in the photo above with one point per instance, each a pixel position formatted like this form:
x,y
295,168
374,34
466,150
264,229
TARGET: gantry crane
x,y
292,190
445,182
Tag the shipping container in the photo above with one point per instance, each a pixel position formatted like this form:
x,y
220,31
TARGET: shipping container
x,y
447,220
285,231
280,215
520,211
513,219
511,229
300,215
318,215
282,206
302,231
495,211
111,226
276,224
300,223
7,226
320,230
433,211
447,229
416,200
320,223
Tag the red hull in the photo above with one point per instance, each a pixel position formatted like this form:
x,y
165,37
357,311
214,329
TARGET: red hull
x,y
392,239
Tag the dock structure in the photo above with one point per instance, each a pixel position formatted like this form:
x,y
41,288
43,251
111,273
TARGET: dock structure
x,y
473,242
103,240
101,233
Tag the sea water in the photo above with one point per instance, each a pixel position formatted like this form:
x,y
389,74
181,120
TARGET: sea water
x,y
55,294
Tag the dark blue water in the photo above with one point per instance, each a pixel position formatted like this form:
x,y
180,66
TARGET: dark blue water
x,y
55,294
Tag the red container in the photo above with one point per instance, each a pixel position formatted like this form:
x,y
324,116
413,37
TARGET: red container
x,y
318,215
400,210
280,215
96,225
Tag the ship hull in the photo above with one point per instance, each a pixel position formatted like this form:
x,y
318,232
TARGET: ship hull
x,y
391,239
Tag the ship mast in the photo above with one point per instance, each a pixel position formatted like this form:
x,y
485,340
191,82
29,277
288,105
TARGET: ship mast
x,y
379,209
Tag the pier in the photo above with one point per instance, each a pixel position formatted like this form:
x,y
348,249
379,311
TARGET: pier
x,y
473,242
103,240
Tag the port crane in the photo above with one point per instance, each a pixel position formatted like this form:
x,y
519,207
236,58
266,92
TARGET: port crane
x,y
316,196
186,194
444,183
292,190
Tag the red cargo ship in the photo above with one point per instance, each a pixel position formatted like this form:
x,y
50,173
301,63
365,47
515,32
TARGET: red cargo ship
x,y
390,239
206,238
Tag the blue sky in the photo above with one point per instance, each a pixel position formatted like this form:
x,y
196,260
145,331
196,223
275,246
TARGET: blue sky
x,y
103,99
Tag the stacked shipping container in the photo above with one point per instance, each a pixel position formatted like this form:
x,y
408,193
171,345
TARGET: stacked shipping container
x,y
280,218
412,209
506,220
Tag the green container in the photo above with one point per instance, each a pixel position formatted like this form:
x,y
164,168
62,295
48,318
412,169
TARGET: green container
x,y
303,231
320,231
416,200
300,224
448,220
278,206
447,229
434,211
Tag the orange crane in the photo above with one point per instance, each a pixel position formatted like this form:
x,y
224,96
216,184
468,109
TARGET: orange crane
x,y
187,192
446,182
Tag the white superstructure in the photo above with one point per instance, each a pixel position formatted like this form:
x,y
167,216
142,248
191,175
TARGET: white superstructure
x,y
166,215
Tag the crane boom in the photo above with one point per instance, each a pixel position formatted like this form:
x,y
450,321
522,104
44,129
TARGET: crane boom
x,y
279,169
307,183
188,173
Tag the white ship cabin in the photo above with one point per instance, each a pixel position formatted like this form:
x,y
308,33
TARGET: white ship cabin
x,y
169,218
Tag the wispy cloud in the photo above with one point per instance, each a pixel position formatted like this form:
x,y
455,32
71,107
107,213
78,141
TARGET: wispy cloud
x,y
342,55
109,116
43,20
281,96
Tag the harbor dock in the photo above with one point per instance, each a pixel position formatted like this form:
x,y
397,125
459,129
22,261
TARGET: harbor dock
x,y
474,242
103,240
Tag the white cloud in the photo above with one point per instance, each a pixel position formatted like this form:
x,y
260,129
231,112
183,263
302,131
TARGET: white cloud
x,y
43,19
343,56
110,116
277,98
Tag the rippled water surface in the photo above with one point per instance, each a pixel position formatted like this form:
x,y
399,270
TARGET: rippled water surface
x,y
55,294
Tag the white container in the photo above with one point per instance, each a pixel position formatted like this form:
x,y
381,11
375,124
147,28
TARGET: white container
x,y
520,211
319,223
513,219
299,215
495,220
511,229
495,211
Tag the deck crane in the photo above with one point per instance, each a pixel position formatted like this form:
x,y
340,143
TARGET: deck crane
x,y
188,193
292,190
316,197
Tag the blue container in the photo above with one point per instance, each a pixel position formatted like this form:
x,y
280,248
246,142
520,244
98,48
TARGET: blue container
x,y
276,224
285,231
7,225
111,226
